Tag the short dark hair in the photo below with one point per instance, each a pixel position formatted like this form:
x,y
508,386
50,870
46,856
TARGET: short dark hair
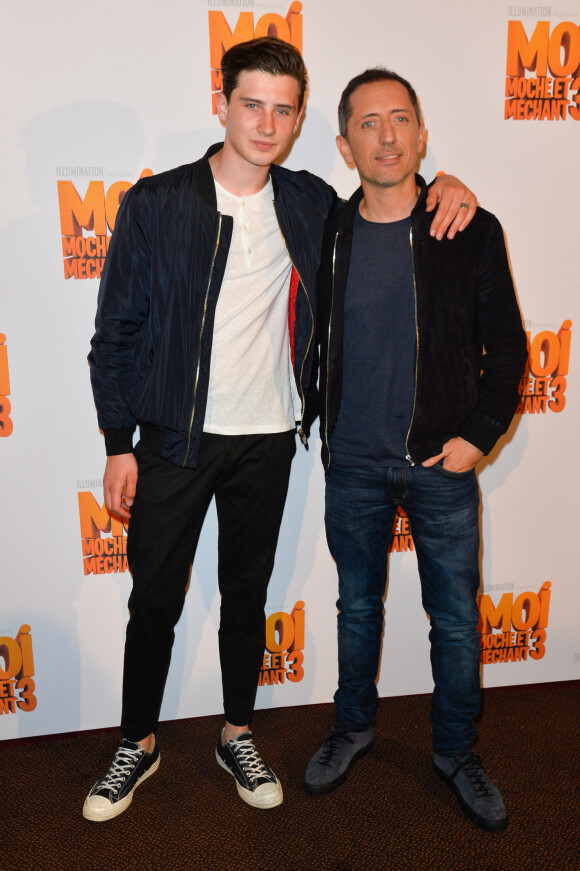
x,y
375,74
268,54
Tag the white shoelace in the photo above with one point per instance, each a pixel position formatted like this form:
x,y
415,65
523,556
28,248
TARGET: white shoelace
x,y
123,764
250,760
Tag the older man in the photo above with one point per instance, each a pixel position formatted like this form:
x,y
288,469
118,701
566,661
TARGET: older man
x,y
422,348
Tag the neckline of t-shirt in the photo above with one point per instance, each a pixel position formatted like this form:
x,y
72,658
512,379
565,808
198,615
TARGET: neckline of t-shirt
x,y
265,191
394,224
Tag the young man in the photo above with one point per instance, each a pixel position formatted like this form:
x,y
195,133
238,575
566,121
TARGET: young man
x,y
204,338
422,348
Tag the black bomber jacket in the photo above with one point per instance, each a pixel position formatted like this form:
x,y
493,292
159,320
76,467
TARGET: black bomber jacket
x,y
151,350
471,348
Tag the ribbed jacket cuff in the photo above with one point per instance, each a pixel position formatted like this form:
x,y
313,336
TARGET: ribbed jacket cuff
x,y
119,440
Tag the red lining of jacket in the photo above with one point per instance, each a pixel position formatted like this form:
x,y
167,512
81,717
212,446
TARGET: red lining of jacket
x,y
294,282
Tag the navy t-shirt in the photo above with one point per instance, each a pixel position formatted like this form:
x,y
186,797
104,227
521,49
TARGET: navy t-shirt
x,y
378,347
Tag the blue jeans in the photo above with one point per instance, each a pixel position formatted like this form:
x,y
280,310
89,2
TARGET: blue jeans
x,y
443,509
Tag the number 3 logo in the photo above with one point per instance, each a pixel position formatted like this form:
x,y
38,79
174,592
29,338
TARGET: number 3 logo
x,y
538,650
575,110
6,425
295,660
26,688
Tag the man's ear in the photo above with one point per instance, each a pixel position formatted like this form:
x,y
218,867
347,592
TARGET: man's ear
x,y
221,106
344,148
421,139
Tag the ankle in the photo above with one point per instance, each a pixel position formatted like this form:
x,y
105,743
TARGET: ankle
x,y
148,743
231,732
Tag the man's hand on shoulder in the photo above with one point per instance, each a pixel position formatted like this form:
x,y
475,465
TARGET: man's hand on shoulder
x,y
458,455
120,483
457,205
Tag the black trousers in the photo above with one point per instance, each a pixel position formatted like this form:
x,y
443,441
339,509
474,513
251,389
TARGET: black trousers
x,y
248,475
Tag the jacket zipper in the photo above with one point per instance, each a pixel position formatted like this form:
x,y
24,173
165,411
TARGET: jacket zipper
x,y
408,456
328,348
301,433
217,242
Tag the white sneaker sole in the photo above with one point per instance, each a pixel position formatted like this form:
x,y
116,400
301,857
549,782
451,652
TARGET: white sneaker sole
x,y
263,801
99,813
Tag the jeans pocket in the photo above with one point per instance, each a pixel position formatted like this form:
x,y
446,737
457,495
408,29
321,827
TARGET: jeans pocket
x,y
448,473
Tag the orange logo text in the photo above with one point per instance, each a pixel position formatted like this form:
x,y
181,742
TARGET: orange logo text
x,y
543,385
6,425
552,90
16,673
222,37
515,628
102,555
284,656
402,538
95,213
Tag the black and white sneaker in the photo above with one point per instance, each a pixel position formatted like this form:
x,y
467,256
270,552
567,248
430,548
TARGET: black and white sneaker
x,y
113,793
256,782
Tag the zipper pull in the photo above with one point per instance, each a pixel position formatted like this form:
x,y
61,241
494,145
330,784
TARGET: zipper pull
x,y
410,459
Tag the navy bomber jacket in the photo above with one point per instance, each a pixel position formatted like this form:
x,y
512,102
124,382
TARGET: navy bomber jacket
x,y
151,350
471,347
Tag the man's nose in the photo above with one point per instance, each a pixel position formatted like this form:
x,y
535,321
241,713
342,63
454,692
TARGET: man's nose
x,y
267,126
387,132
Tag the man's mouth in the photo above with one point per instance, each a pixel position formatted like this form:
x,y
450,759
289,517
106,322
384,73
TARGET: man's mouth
x,y
388,156
263,146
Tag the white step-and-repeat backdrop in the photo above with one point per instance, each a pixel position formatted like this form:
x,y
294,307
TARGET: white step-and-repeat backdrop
x,y
96,95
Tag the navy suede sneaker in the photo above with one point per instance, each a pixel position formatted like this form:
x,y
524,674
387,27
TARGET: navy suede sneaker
x,y
329,767
477,795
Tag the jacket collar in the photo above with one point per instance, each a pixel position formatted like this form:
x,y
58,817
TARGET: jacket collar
x,y
204,176
345,216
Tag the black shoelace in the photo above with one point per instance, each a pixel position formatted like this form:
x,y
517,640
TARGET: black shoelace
x,y
331,746
476,775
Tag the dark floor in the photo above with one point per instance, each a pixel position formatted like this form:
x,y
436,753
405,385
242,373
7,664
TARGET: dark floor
x,y
392,813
